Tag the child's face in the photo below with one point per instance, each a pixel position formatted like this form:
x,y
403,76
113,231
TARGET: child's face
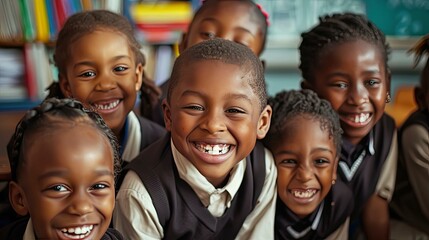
x,y
353,78
67,183
306,163
215,117
101,72
229,20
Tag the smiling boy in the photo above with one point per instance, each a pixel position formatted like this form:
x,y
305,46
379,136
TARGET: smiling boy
x,y
208,178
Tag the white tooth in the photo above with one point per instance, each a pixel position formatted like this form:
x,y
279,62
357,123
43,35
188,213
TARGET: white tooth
x,y
90,227
78,230
216,149
70,230
362,118
356,119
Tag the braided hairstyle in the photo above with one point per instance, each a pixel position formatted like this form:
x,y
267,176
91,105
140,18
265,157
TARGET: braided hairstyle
x,y
257,14
338,29
83,23
42,118
287,105
228,52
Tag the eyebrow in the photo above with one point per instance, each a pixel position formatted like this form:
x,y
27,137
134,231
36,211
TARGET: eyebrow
x,y
89,63
64,172
239,28
229,95
312,151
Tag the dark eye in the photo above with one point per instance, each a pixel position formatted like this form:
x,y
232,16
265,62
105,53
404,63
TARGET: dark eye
x,y
287,163
120,69
373,82
58,188
234,110
208,35
341,85
99,186
195,107
87,74
321,161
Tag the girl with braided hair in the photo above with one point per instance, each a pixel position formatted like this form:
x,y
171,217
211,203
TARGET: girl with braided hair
x,y
344,60
305,139
63,160
100,64
411,197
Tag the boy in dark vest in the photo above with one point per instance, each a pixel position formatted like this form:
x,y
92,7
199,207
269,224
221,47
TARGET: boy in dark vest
x,y
209,178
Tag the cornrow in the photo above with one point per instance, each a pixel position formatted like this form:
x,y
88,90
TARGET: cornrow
x,y
228,52
258,13
287,105
83,23
337,29
42,116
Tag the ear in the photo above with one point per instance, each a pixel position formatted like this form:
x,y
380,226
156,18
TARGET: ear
x,y
306,84
17,199
167,114
65,86
264,122
183,43
139,76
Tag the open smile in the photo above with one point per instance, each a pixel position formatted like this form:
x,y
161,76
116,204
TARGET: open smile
x,y
303,195
357,120
213,153
80,232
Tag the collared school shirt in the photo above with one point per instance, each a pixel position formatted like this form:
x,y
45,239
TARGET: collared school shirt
x,y
140,212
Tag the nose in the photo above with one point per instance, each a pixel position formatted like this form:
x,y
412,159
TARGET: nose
x,y
81,203
357,95
106,82
304,173
214,121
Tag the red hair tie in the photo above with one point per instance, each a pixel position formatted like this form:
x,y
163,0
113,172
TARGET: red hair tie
x,y
265,13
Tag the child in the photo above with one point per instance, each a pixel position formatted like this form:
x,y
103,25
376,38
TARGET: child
x,y
305,139
344,60
100,64
63,161
411,198
241,21
206,179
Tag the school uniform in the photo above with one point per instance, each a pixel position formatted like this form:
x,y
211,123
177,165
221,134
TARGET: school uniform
x,y
411,197
370,166
165,197
23,229
139,133
330,220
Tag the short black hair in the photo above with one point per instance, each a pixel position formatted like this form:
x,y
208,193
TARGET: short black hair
x,y
336,29
257,16
287,105
226,52
42,117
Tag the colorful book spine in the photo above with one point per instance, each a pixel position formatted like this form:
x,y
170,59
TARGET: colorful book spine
x,y
27,23
42,25
53,25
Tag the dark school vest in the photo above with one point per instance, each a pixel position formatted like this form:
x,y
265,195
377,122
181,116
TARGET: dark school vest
x,y
337,207
365,177
15,231
179,210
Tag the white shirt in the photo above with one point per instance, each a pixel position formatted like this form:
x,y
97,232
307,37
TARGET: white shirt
x,y
136,218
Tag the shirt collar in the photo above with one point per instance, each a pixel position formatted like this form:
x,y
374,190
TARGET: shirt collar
x,y
29,232
201,186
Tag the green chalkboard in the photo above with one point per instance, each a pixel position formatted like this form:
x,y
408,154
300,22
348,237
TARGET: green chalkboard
x,y
400,17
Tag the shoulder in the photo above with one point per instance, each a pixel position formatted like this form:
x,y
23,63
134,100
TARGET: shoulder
x,y
14,230
112,234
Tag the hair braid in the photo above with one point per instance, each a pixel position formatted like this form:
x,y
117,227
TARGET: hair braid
x,y
287,105
338,29
42,116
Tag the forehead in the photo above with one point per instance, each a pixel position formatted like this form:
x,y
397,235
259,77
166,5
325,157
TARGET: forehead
x,y
231,13
100,43
66,144
351,53
215,78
